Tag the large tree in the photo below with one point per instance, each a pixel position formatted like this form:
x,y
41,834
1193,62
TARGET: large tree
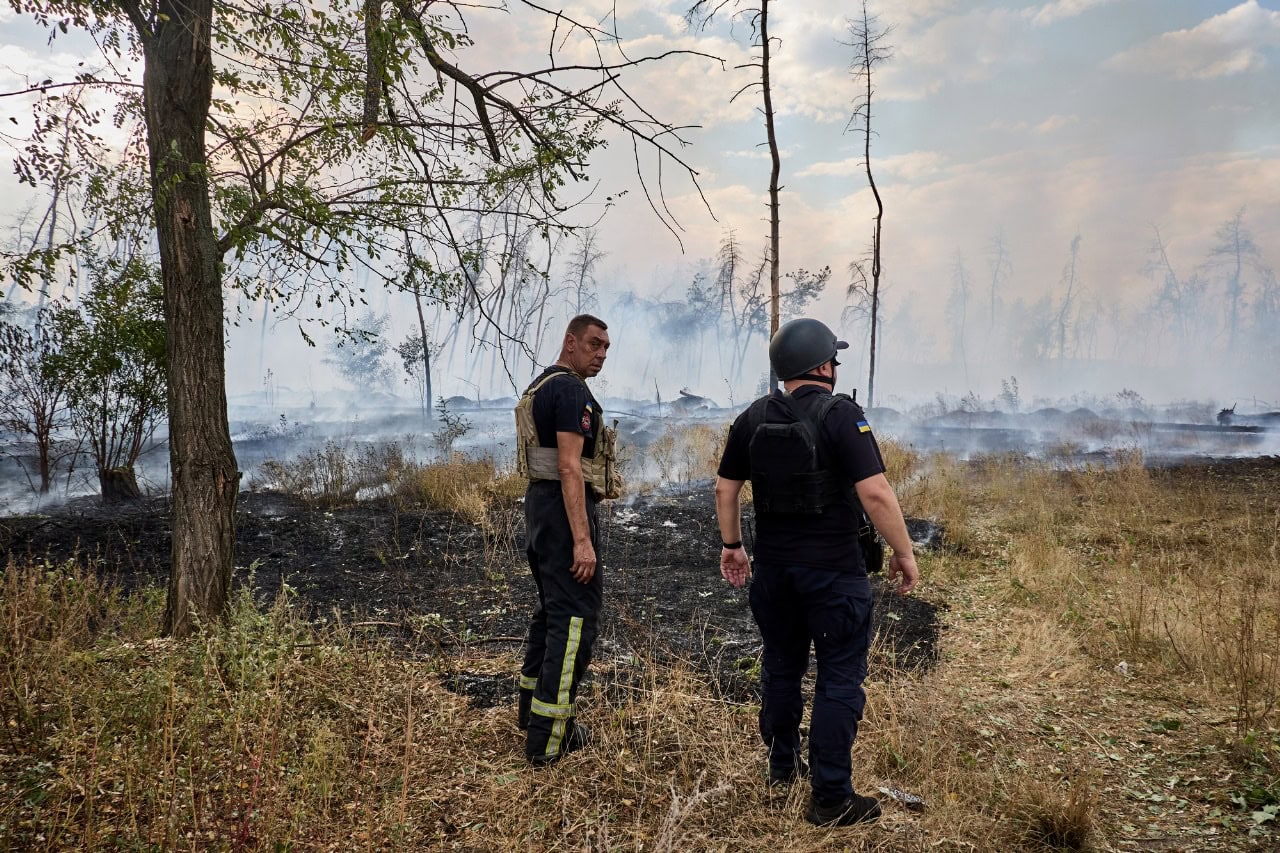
x,y
287,143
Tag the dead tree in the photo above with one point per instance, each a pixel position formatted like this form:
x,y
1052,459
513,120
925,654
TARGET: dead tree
x,y
1069,277
702,13
1236,251
867,38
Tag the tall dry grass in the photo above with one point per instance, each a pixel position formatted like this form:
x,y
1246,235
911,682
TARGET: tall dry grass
x,y
268,732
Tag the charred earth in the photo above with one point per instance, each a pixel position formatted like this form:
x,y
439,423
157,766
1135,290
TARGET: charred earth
x,y
431,581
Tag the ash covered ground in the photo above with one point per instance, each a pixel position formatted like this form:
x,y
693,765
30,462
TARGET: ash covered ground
x,y
432,581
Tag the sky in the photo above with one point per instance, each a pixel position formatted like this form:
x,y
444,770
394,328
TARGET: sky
x,y
1033,121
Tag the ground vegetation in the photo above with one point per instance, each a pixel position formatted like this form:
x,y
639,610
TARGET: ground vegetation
x,y
1081,669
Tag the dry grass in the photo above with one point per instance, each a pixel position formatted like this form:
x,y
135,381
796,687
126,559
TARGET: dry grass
x,y
1108,682
336,474
683,454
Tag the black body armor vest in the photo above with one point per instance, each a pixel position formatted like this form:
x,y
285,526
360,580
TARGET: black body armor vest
x,y
790,471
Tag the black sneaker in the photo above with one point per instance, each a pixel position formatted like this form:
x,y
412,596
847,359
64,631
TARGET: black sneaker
x,y
577,737
786,775
856,809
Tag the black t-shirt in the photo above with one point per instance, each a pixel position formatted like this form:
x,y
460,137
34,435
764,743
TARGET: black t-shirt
x,y
565,404
829,539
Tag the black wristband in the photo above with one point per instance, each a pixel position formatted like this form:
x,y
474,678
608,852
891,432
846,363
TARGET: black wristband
x,y
732,546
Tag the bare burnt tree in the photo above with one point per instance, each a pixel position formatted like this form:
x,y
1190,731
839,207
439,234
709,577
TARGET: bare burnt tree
x,y
1236,253
1178,303
582,265
742,302
324,145
957,312
33,396
416,359
729,262
867,38
754,303
1001,270
1070,275
702,13
68,158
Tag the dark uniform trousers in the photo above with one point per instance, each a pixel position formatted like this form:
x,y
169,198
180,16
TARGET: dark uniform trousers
x,y
563,628
796,605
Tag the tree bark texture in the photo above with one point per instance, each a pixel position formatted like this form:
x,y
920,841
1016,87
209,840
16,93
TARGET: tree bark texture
x,y
178,82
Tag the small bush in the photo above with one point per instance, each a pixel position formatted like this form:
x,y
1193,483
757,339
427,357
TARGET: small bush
x,y
1049,818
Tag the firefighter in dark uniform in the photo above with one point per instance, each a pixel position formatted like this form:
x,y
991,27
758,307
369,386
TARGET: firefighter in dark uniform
x,y
567,454
810,582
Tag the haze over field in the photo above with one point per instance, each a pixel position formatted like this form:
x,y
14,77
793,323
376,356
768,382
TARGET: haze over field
x,y
1030,155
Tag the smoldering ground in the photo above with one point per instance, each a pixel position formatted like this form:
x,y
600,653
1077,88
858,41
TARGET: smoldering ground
x,y
433,580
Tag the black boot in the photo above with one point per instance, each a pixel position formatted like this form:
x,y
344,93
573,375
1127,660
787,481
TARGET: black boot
x,y
576,736
856,809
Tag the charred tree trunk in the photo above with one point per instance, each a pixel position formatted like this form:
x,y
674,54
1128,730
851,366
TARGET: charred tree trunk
x,y
177,86
426,347
870,51
775,171
119,485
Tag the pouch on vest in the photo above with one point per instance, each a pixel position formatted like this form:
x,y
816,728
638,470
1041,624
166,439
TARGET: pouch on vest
x,y
600,470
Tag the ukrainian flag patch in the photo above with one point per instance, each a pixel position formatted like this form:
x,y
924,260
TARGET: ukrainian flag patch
x,y
863,426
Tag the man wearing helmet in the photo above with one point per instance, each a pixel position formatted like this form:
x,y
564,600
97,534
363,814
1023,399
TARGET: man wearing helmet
x,y
813,462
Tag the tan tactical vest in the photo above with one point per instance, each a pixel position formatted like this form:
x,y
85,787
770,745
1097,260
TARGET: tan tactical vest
x,y
535,462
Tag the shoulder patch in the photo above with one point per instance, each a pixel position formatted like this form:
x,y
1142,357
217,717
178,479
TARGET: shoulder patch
x,y
863,426
586,418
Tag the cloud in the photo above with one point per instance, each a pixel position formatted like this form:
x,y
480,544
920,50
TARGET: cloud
x,y
914,166
760,152
1060,9
1235,42
1045,126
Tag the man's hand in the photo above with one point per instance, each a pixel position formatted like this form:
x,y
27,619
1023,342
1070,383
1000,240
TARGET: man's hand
x,y
584,561
904,566
734,565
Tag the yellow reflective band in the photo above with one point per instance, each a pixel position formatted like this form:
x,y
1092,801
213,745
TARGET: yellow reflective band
x,y
557,736
527,683
546,709
570,658
566,682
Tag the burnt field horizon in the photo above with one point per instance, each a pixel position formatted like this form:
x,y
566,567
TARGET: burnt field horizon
x,y
1080,429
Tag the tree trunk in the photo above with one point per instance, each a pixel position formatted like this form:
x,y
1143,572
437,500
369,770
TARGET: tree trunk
x,y
177,85
868,59
426,349
774,172
119,485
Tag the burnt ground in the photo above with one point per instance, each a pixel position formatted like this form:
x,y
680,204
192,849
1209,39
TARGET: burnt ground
x,y
428,581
